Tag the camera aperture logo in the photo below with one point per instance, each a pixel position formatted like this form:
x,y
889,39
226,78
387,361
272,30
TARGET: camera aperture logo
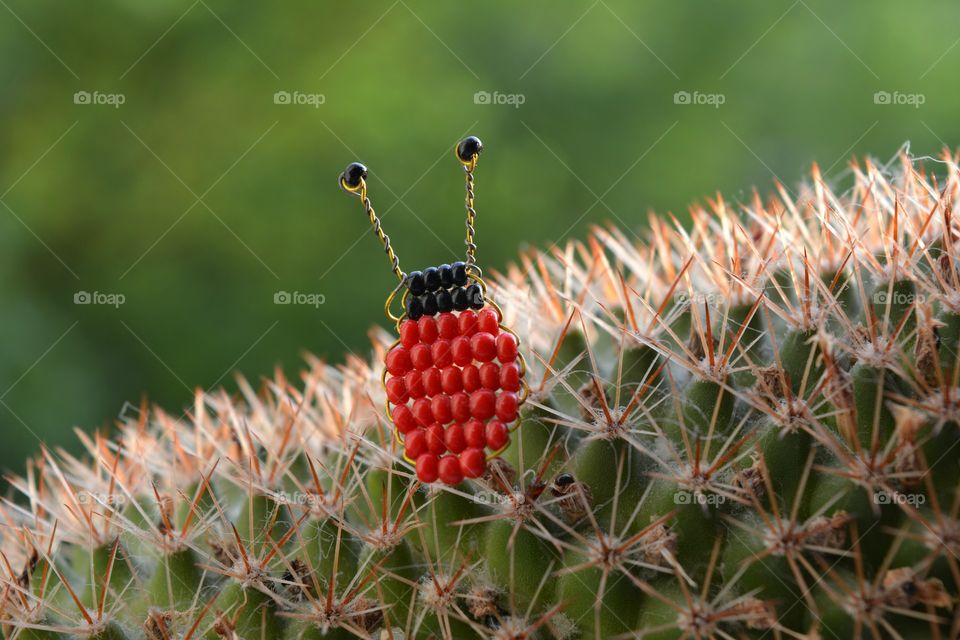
x,y
497,98
698,98
99,298
97,98
899,98
299,98
299,298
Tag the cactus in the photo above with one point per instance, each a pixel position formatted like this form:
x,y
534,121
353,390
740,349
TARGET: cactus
x,y
745,427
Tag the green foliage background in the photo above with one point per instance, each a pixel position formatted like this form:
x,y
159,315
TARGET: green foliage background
x,y
199,197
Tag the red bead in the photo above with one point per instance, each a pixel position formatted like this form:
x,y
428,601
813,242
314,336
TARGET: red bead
x,y
422,412
435,443
506,347
483,345
403,418
451,381
428,329
413,382
460,407
432,382
397,391
415,443
462,353
497,435
454,439
483,404
468,323
420,357
448,325
409,333
475,434
398,361
441,353
509,377
488,321
440,407
471,378
450,471
507,406
428,468
490,376
473,463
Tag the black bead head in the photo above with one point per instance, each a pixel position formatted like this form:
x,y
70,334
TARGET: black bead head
x,y
446,276
468,148
460,300
475,296
429,302
458,272
353,175
415,283
444,301
431,278
441,290
414,307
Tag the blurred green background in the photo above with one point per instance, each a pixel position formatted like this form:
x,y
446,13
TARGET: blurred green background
x,y
206,192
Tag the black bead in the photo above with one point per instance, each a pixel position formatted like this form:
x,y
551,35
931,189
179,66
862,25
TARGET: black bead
x,y
431,278
444,301
446,276
429,302
353,174
460,300
469,147
415,283
459,270
414,307
475,296
564,479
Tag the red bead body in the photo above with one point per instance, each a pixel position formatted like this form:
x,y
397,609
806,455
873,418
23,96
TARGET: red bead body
x,y
453,383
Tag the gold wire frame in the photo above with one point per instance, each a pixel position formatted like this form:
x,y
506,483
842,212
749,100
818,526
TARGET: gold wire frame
x,y
524,387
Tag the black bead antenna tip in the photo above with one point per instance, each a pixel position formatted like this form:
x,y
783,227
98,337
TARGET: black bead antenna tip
x,y
353,176
468,148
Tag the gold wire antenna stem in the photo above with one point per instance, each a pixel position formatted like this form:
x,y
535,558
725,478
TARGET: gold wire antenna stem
x,y
353,180
471,216
468,153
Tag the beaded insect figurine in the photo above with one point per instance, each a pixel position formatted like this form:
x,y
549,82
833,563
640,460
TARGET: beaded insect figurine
x,y
454,379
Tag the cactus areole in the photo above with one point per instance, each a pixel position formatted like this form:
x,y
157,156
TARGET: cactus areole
x,y
744,426
454,380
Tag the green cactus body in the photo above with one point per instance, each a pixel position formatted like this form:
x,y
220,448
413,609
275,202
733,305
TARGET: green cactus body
x,y
748,427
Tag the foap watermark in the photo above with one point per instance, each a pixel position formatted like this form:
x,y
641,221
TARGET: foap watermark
x,y
299,298
698,497
302,498
99,298
913,499
495,97
299,98
698,98
899,98
98,98
898,297
107,499
712,299
494,498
